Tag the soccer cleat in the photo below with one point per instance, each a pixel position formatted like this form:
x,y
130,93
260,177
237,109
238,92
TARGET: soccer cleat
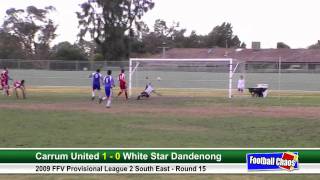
x,y
92,98
100,100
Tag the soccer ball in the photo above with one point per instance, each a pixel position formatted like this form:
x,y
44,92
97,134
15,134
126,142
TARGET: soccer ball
x,y
159,78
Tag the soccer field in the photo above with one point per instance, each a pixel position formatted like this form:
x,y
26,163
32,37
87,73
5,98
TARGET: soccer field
x,y
65,117
55,117
175,79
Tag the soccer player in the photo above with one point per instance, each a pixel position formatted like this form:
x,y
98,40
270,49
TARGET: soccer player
x,y
96,81
20,85
1,81
5,70
5,81
108,85
147,91
123,86
241,83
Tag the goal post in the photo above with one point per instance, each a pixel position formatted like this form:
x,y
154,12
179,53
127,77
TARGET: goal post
x,y
229,66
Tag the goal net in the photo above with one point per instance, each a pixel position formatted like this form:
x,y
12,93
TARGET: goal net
x,y
184,74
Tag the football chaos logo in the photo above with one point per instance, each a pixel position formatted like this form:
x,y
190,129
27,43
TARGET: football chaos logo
x,y
273,161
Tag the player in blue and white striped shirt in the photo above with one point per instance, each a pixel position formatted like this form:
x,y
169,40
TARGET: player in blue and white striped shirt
x,y
108,85
96,81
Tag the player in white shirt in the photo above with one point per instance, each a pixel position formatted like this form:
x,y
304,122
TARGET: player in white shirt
x,y
19,85
241,84
148,91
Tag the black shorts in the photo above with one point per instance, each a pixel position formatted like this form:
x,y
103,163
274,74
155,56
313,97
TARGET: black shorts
x,y
145,94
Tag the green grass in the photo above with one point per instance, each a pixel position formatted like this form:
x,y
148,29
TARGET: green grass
x,y
21,128
65,128
286,101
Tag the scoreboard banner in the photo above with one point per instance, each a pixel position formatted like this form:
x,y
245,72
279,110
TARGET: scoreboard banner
x,y
160,161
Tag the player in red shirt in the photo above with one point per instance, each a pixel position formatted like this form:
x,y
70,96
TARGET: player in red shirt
x,y
5,81
2,80
123,86
20,85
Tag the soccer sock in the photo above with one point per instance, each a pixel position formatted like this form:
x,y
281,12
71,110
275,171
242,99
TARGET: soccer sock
x,y
100,95
7,91
126,95
119,93
109,103
93,94
23,94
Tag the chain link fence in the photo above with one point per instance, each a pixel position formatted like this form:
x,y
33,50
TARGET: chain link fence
x,y
291,76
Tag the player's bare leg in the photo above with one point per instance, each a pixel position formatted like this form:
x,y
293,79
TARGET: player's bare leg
x,y
241,92
17,93
6,90
126,93
100,97
93,95
23,90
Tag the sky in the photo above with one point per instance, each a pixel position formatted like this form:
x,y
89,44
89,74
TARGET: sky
x,y
294,22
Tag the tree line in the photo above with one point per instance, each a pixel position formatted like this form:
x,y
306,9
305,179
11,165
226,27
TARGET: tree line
x,y
108,30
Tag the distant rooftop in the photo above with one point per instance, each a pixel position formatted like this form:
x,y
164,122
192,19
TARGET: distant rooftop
x,y
287,55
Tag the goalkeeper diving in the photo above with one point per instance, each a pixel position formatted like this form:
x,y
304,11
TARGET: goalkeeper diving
x,y
148,91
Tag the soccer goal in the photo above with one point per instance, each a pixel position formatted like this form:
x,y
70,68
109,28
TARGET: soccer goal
x,y
209,74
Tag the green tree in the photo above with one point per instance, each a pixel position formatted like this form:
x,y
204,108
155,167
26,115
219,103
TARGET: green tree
x,y
194,41
282,45
90,49
243,45
162,35
149,43
67,51
162,30
315,46
110,24
178,38
10,46
170,35
34,29
138,46
222,36
235,42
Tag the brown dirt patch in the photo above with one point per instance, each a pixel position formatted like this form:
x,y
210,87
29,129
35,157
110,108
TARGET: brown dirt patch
x,y
144,109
